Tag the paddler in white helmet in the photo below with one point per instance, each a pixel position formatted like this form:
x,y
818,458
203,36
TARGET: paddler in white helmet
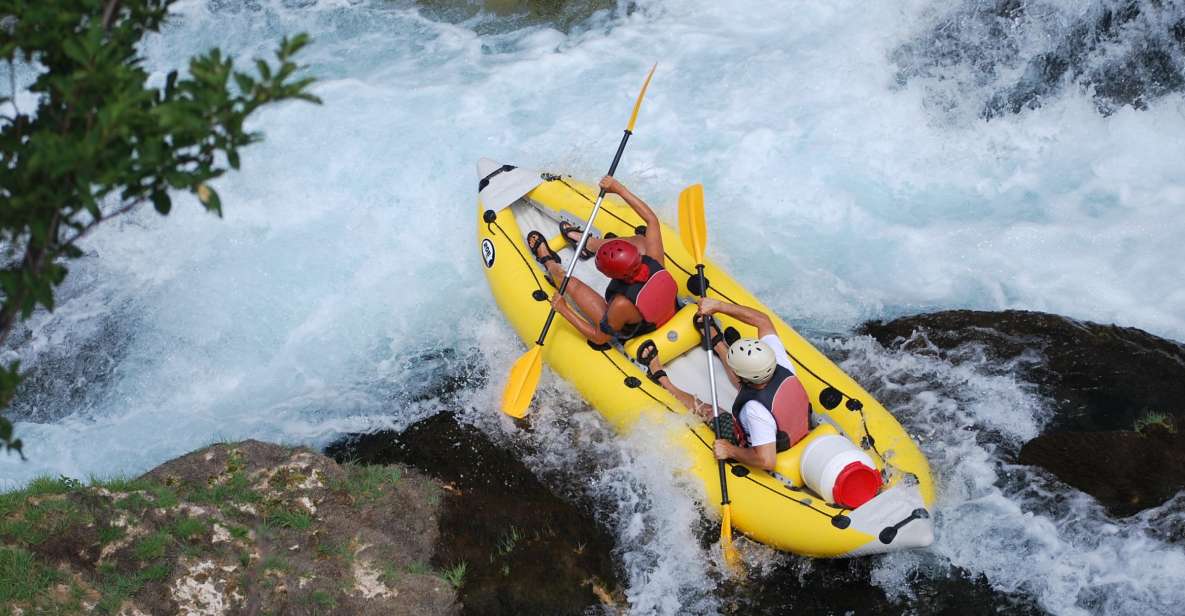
x,y
772,410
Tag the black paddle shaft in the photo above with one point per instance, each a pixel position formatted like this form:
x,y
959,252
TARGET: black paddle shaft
x,y
703,293
564,284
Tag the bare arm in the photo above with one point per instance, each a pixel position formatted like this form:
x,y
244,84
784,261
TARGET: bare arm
x,y
744,314
653,235
764,456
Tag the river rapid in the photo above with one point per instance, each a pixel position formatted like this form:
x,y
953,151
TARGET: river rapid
x,y
860,161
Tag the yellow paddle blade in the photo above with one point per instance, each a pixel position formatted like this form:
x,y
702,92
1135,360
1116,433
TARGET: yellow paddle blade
x,y
732,557
520,387
641,95
692,227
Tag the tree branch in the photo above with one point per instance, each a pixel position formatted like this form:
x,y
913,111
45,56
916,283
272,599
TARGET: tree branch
x,y
109,13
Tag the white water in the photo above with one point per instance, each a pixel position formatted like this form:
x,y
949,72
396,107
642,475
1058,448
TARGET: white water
x,y
347,248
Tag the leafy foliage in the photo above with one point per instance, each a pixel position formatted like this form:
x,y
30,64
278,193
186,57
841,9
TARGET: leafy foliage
x,y
102,142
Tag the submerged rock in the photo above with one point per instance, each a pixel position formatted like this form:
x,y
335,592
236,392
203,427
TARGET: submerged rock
x,y
1127,471
235,528
1009,56
1096,377
1116,393
526,550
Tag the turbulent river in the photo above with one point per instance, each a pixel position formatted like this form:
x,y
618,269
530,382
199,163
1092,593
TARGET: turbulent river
x,y
860,160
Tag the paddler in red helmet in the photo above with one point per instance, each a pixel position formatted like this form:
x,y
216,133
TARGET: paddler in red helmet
x,y
641,294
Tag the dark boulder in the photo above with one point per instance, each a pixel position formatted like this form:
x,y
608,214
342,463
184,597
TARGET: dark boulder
x,y
527,550
1116,394
1127,471
1097,377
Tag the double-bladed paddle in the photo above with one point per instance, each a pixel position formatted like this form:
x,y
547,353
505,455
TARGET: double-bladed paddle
x,y
524,374
694,232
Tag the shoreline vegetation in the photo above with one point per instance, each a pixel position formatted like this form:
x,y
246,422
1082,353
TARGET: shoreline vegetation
x,y
253,527
246,527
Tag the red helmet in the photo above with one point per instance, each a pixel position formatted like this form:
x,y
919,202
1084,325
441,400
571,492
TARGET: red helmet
x,y
618,259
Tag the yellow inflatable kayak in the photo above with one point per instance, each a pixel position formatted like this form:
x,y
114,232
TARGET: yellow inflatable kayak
x,y
777,509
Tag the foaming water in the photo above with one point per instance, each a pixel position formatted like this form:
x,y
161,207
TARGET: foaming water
x,y
344,279
1014,524
639,488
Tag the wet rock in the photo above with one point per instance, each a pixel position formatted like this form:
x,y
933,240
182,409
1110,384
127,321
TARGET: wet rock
x,y
1116,393
1097,377
234,528
1127,471
1122,53
804,586
505,15
526,551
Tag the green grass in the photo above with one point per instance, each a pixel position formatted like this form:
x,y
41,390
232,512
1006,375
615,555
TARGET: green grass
x,y
109,534
187,528
390,574
338,550
42,521
298,520
240,533
419,568
134,501
41,486
367,482
50,485
276,563
22,576
153,546
1155,419
455,575
122,484
237,489
116,587
163,497
508,541
323,599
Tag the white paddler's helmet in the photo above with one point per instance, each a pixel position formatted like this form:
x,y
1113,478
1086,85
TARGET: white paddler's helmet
x,y
752,360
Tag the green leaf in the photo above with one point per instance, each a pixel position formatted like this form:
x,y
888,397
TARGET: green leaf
x,y
209,198
161,201
245,82
232,157
265,71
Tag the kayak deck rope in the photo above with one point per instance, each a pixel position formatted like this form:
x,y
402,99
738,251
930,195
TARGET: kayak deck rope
x,y
514,244
552,177
708,445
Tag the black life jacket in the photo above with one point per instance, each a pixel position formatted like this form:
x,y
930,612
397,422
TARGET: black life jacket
x,y
784,397
656,298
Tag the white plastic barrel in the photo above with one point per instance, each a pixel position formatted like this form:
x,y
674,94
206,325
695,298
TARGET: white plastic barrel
x,y
839,471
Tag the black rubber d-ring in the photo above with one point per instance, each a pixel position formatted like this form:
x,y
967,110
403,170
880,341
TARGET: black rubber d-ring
x,y
830,398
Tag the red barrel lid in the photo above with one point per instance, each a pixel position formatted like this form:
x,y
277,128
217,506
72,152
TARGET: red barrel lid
x,y
856,484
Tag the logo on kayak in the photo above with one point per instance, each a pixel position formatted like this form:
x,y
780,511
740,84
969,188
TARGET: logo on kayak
x,y
487,252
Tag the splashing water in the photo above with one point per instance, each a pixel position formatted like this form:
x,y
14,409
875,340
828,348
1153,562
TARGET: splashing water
x,y
1014,524
850,174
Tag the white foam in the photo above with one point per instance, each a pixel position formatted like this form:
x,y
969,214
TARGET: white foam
x,y
835,193
1025,532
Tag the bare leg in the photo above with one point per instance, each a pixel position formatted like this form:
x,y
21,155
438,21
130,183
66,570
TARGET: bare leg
x,y
587,300
687,400
594,243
